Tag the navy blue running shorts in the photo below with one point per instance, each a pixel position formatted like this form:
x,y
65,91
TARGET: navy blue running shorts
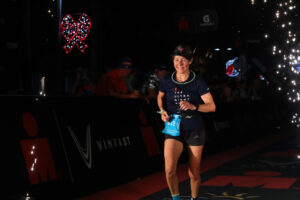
x,y
190,138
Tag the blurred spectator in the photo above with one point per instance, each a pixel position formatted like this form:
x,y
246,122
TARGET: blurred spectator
x,y
113,83
242,90
150,85
227,93
83,86
216,90
135,80
255,90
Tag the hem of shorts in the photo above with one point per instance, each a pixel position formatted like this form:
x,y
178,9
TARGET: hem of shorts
x,y
174,138
195,144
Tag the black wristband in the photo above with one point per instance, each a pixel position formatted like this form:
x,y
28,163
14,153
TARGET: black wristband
x,y
197,106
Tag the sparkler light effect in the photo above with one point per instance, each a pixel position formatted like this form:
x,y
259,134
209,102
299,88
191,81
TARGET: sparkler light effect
x,y
285,48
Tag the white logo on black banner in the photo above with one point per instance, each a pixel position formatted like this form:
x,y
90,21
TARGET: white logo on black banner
x,y
86,152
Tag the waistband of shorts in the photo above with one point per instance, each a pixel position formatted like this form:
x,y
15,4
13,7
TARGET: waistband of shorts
x,y
188,116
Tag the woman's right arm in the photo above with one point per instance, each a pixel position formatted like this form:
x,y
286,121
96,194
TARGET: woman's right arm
x,y
164,115
160,97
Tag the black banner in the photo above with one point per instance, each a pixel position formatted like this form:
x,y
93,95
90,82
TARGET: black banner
x,y
78,145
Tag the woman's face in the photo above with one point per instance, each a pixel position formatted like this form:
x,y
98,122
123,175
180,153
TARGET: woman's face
x,y
181,64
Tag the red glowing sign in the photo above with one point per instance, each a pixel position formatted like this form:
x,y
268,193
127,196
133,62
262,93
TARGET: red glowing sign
x,y
75,32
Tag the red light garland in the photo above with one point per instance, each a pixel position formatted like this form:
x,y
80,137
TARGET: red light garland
x,y
75,32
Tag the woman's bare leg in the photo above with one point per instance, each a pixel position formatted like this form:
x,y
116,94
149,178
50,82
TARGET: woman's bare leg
x,y
172,151
195,155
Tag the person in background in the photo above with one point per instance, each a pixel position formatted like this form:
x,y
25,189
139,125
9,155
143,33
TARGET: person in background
x,y
184,92
227,93
83,86
255,91
113,83
150,87
241,89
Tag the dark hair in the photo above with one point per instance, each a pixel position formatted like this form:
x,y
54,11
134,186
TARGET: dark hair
x,y
184,51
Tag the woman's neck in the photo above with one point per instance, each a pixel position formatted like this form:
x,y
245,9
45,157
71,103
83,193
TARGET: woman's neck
x,y
182,77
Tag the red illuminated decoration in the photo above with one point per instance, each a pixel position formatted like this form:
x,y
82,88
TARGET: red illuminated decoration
x,y
183,24
37,153
75,32
229,70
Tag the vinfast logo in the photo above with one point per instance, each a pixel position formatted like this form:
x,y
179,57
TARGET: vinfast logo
x,y
104,145
86,151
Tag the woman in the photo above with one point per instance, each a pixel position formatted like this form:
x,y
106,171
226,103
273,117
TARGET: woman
x,y
184,92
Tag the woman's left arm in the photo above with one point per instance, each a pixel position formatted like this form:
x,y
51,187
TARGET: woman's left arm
x,y
209,104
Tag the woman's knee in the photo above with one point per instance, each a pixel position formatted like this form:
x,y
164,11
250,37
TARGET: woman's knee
x,y
194,174
170,171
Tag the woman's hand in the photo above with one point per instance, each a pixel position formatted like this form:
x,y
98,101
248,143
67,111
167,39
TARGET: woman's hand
x,y
164,116
185,105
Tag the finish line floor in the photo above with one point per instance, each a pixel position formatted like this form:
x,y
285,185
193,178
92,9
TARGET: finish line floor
x,y
266,169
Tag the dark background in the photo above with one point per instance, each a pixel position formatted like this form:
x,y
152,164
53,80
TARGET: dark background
x,y
146,31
